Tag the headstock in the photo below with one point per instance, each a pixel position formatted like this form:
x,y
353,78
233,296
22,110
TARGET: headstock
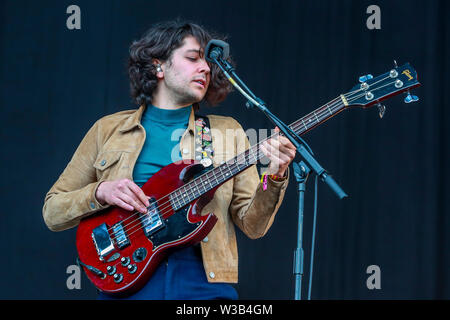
x,y
372,90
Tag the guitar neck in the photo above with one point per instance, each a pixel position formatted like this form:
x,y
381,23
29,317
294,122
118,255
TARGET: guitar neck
x,y
217,176
318,116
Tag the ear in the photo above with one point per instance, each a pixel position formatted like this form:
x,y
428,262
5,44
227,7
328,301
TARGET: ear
x,y
159,69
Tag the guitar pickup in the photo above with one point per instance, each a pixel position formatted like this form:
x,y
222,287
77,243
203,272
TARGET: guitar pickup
x,y
120,235
151,221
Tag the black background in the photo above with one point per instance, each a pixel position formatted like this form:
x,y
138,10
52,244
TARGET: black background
x,y
295,55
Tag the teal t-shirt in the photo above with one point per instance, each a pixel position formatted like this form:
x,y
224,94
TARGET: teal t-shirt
x,y
163,129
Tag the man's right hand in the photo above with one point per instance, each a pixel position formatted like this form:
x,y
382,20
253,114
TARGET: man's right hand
x,y
123,193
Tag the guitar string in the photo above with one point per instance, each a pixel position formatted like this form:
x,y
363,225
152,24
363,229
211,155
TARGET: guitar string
x,y
191,184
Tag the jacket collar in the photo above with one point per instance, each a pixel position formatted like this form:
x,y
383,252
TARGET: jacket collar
x,y
134,120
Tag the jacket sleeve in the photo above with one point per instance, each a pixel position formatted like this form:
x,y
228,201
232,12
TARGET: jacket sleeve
x,y
72,196
253,209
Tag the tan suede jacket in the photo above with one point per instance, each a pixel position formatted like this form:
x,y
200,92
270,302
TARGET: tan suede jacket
x,y
109,151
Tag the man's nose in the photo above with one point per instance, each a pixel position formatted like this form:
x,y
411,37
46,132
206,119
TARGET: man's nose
x,y
204,67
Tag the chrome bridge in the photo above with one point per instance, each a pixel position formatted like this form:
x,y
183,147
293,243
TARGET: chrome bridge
x,y
103,241
107,239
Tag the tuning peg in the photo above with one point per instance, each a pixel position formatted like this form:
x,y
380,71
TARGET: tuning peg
x,y
365,78
410,98
381,110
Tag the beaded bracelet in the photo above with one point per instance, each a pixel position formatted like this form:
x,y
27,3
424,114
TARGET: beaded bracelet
x,y
272,176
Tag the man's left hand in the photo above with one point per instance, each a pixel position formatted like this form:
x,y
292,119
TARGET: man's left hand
x,y
280,152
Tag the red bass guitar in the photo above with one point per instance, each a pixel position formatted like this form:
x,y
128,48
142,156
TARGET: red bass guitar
x,y
119,249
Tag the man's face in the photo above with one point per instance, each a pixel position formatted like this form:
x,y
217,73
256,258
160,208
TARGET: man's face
x,y
186,74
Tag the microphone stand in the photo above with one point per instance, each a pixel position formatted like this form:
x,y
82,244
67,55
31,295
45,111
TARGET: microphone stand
x,y
301,172
301,175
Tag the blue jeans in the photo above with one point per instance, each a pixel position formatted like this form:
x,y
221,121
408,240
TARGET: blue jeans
x,y
181,277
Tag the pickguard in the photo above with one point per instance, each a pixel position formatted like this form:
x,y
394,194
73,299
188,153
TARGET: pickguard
x,y
177,227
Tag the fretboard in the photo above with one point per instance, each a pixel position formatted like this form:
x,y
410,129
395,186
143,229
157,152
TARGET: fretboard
x,y
220,174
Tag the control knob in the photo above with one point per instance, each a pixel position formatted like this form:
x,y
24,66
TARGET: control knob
x,y
125,261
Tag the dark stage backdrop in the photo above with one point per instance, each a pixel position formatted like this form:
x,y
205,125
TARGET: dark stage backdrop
x,y
296,55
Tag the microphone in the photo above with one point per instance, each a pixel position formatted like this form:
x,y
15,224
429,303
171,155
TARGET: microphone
x,y
216,49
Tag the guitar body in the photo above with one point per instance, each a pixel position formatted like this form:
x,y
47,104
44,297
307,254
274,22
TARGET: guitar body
x,y
124,248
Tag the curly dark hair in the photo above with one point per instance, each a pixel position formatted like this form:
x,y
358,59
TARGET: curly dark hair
x,y
158,43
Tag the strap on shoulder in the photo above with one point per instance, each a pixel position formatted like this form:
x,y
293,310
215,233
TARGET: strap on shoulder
x,y
203,140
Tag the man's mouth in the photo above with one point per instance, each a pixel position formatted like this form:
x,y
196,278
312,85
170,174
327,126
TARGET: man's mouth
x,y
201,82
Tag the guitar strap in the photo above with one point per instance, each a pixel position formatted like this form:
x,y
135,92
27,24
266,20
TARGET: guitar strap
x,y
203,141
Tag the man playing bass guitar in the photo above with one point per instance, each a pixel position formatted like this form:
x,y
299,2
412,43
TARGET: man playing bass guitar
x,y
169,77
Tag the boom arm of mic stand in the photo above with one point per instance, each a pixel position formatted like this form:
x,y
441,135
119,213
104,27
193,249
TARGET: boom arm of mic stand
x,y
252,99
292,136
307,155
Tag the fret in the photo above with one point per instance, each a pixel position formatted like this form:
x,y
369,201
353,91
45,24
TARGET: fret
x,y
248,160
191,192
184,195
238,168
202,184
222,168
172,201
219,175
254,154
306,128
205,182
231,172
195,191
215,177
254,160
198,190
180,204
187,192
237,164
209,180
178,199
193,188
234,167
316,117
230,169
240,161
